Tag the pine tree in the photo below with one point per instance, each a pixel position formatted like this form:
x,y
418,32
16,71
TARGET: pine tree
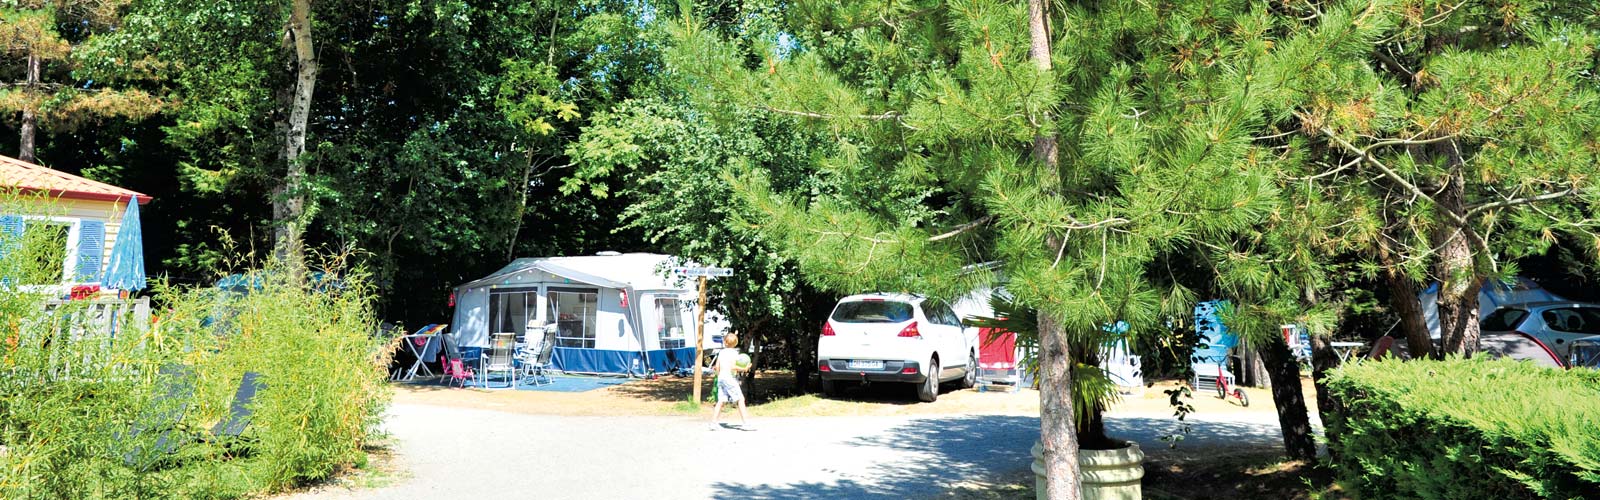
x,y
54,73
1266,145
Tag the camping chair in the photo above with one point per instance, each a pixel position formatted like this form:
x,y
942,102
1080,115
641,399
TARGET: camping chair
x,y
454,364
457,372
239,414
535,357
499,358
160,419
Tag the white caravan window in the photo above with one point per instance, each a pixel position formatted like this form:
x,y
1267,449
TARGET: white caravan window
x,y
670,328
575,311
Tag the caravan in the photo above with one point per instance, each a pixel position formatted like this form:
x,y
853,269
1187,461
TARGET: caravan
x,y
613,313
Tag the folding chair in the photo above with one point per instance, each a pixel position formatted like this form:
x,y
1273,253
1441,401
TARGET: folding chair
x,y
499,358
239,414
455,366
155,432
536,357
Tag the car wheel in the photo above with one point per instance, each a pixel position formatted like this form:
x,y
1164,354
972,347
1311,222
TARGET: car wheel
x,y
928,390
971,378
831,388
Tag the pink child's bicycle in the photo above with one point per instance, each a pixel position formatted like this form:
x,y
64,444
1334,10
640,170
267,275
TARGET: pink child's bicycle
x,y
1224,390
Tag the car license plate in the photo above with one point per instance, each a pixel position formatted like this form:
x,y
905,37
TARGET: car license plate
x,y
866,364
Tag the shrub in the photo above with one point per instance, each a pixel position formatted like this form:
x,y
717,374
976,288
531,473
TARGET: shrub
x,y
78,404
1465,429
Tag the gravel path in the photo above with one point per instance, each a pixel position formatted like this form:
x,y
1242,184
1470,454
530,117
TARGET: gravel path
x,y
465,453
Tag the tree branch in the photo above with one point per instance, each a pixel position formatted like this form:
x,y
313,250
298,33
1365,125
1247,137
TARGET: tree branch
x,y
889,115
962,228
1458,219
1480,208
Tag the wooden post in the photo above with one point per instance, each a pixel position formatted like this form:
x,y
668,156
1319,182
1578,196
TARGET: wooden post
x,y
699,337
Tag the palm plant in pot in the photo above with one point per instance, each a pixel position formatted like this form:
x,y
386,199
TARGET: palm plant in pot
x,y
1110,468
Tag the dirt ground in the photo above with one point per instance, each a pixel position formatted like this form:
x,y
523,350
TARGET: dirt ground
x,y
774,396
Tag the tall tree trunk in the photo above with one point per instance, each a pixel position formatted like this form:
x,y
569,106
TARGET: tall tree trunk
x,y
288,200
1459,286
30,117
1058,434
1293,417
1323,360
522,207
1403,298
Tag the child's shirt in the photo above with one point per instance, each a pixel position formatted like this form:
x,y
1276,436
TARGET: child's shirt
x,y
725,359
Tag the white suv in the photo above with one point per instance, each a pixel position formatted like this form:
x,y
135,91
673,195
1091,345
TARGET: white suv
x,y
883,337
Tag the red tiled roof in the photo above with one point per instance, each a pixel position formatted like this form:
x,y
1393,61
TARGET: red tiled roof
x,y
36,179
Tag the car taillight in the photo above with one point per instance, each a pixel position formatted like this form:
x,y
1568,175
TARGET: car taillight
x,y
827,329
911,331
822,366
909,370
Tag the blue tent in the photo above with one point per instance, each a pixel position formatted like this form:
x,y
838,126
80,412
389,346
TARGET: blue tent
x,y
126,271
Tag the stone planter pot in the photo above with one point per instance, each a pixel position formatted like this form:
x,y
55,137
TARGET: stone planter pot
x,y
1106,474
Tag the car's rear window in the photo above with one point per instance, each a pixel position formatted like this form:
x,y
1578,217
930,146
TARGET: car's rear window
x,y
1504,319
872,311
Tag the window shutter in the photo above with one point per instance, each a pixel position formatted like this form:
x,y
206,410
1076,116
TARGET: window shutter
x,y
10,232
91,249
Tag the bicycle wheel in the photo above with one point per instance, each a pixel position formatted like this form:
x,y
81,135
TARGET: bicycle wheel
x,y
1222,391
1244,400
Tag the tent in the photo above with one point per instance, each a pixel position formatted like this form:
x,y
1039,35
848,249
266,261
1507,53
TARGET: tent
x,y
614,313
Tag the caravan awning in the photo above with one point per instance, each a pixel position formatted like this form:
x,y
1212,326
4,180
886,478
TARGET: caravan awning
x,y
523,265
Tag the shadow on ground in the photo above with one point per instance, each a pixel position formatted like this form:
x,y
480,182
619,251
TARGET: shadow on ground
x,y
952,457
1204,435
769,387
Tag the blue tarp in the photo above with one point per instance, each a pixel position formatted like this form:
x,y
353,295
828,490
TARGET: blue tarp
x,y
1208,323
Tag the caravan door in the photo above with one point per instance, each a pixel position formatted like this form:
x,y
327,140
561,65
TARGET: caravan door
x,y
511,309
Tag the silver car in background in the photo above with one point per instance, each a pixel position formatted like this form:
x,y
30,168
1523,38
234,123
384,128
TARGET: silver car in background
x,y
1555,324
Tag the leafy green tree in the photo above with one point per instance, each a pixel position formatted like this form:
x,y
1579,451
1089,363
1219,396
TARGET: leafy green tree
x,y
671,164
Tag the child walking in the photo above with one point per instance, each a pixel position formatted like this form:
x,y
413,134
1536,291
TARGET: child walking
x,y
728,382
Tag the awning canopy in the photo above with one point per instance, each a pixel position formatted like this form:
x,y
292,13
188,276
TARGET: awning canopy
x,y
636,271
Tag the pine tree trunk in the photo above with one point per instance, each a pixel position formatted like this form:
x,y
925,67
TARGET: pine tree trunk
x,y
1058,433
1293,417
1403,299
288,201
1253,368
30,117
1458,290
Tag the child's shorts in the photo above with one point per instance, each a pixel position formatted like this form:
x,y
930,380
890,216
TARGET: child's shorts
x,y
728,390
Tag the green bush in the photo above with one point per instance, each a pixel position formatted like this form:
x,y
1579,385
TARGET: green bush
x,y
1465,429
72,393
